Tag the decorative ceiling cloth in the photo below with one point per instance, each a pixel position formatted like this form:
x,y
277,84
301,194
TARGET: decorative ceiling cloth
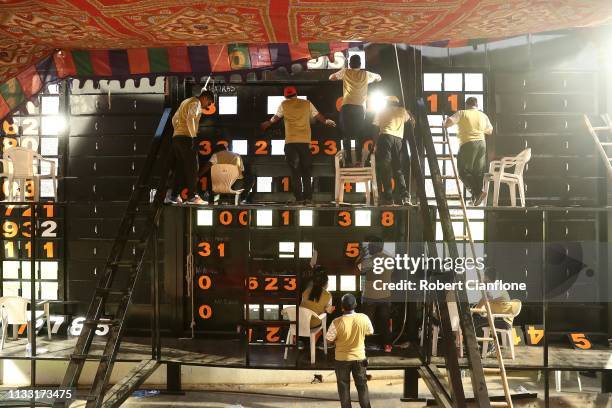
x,y
32,30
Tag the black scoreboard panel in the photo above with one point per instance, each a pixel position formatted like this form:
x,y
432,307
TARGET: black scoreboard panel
x,y
250,263
235,122
38,126
110,131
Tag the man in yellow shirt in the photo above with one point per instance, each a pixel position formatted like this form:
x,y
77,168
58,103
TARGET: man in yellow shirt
x,y
391,154
473,125
186,121
352,114
245,180
297,114
348,333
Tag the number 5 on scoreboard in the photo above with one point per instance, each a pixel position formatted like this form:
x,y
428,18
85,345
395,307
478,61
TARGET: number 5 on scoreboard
x,y
580,341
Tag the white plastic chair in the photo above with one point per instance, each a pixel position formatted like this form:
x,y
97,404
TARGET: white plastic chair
x,y
361,174
456,327
25,164
14,310
223,177
305,329
498,174
507,338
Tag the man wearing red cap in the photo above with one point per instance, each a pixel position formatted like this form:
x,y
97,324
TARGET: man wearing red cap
x,y
297,114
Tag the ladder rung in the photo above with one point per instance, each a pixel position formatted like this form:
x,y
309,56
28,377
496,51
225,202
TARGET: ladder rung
x,y
88,357
461,238
484,338
598,128
605,143
128,264
110,291
453,197
94,322
437,142
448,177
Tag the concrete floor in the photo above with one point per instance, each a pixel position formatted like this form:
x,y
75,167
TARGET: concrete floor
x,y
384,393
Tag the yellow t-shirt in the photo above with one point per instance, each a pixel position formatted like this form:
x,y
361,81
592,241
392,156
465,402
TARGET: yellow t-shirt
x,y
355,85
351,330
391,121
297,113
316,306
471,124
186,119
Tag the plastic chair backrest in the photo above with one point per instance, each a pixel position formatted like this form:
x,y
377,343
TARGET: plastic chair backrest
x,y
521,160
223,176
15,308
517,305
23,161
305,316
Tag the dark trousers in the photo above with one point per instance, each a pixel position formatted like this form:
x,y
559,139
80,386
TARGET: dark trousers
x,y
379,313
471,165
391,156
299,159
352,122
185,166
245,183
343,371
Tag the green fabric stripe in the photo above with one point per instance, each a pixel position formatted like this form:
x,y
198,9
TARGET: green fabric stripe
x,y
82,62
318,49
239,56
158,60
12,93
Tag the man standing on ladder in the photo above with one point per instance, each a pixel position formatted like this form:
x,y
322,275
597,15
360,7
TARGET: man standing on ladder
x,y
352,114
186,121
473,125
297,114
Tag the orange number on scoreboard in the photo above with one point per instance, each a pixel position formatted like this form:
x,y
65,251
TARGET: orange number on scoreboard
x,y
9,229
290,284
204,249
221,249
352,250
272,335
344,218
9,142
368,144
9,247
433,102
205,147
271,283
225,217
285,183
253,283
286,217
243,218
331,147
204,282
580,341
261,147
314,147
9,128
453,100
387,218
535,335
205,312
49,209
25,231
347,187
48,248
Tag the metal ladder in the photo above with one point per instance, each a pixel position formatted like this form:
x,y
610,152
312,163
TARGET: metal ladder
x,y
602,145
448,155
118,258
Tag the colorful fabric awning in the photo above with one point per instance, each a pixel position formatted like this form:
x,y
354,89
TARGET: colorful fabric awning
x,y
149,62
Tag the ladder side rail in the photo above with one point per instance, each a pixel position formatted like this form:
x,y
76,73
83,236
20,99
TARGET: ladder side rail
x,y
98,302
465,317
598,145
450,355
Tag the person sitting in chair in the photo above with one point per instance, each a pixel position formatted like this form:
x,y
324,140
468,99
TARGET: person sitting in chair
x,y
223,156
316,297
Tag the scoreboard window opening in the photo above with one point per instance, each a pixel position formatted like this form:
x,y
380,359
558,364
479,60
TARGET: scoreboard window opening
x,y
278,147
240,146
264,184
363,218
228,105
205,218
264,218
348,283
306,218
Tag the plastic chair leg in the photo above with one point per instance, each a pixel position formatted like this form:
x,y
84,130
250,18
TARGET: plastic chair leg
x,y
496,186
485,343
512,188
521,187
287,341
313,348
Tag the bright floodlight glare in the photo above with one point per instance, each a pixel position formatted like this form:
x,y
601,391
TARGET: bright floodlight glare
x,y
378,101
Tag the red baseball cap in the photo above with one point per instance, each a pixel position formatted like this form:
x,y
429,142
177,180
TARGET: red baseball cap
x,y
290,91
